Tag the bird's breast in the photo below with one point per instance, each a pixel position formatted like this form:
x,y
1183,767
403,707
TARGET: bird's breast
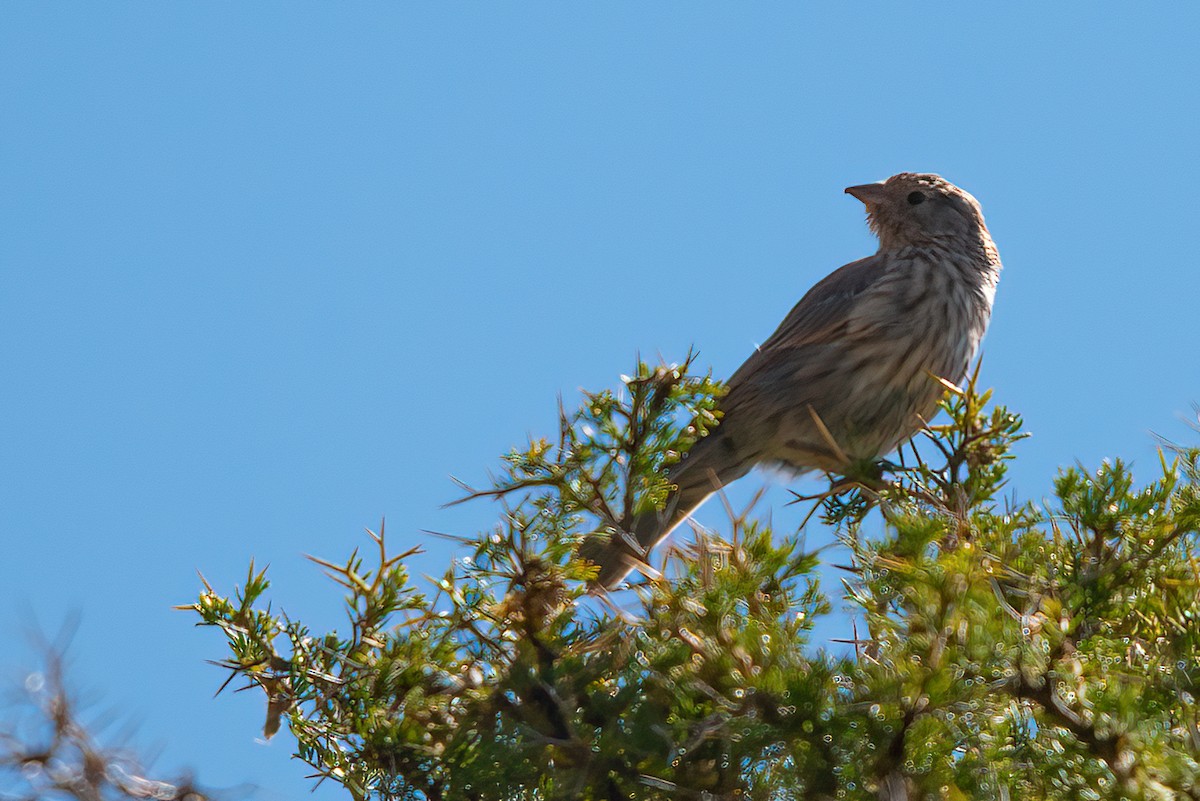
x,y
921,322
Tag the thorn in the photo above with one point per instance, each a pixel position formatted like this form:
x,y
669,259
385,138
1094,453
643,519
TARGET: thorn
x,y
949,385
828,437
204,581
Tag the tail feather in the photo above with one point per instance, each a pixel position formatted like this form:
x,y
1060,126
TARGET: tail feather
x,y
695,481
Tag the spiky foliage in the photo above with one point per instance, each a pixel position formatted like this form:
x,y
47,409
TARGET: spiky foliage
x,y
51,751
1006,650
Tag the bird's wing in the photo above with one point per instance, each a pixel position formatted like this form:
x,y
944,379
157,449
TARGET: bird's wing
x,y
817,324
820,317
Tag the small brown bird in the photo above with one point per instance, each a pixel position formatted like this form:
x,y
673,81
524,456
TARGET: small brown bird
x,y
852,371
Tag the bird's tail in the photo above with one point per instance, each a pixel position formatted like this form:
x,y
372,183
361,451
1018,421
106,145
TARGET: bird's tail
x,y
695,479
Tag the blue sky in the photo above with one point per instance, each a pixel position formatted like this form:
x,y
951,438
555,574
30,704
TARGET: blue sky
x,y
272,272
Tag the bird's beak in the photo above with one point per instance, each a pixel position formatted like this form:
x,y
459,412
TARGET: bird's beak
x,y
869,194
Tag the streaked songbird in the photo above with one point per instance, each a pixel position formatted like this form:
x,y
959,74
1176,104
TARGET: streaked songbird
x,y
852,371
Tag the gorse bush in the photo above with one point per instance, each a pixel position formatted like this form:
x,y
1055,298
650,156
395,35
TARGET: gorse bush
x,y
1002,650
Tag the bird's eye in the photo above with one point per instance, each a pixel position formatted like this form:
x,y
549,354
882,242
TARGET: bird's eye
x,y
915,197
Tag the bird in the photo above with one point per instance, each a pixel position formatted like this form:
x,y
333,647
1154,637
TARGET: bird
x,y
855,368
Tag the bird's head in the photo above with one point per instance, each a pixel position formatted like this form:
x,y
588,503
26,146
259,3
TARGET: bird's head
x,y
918,209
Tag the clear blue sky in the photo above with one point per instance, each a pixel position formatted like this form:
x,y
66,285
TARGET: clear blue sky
x,y
271,272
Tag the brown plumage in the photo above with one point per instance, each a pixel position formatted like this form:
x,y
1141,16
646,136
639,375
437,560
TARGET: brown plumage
x,y
857,356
